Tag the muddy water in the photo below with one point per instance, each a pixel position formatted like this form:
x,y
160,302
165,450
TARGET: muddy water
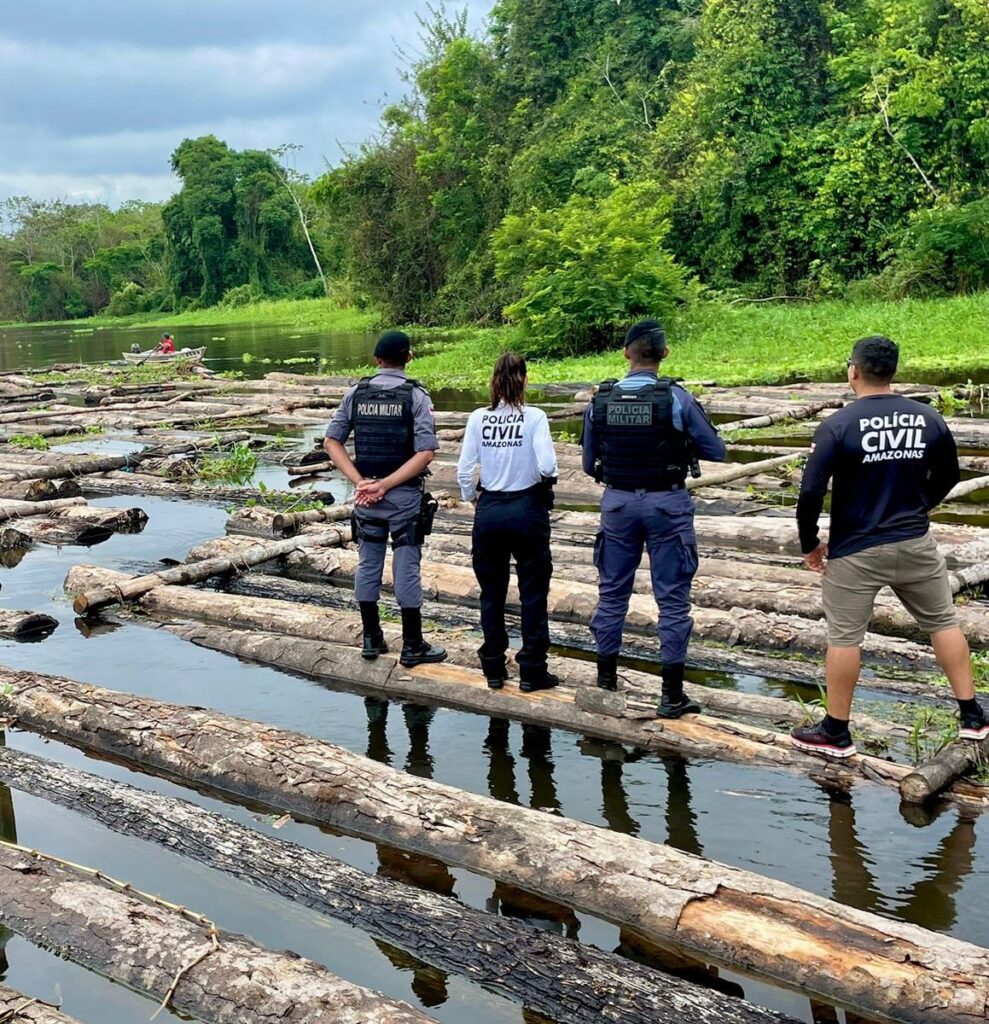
x,y
860,851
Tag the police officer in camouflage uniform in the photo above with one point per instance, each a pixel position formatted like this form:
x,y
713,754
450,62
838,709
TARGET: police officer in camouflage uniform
x,y
640,436
391,418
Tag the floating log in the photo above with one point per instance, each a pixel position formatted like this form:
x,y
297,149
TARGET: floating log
x,y
720,913
258,521
966,487
119,520
214,976
309,468
16,1008
117,483
804,412
29,490
20,509
12,540
64,532
26,625
928,779
244,558
551,975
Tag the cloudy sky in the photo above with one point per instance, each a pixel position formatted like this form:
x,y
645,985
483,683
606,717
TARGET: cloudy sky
x,y
95,94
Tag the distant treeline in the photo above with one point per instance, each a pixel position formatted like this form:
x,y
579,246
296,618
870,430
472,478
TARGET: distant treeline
x,y
586,161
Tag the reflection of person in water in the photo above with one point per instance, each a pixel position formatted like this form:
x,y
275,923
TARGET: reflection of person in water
x,y
538,751
681,822
8,833
930,901
428,983
501,763
614,798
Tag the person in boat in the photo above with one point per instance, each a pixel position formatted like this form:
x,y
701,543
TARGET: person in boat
x,y
642,434
136,348
166,346
511,443
890,460
391,418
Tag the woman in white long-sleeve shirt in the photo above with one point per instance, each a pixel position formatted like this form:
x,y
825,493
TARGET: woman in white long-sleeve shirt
x,y
512,444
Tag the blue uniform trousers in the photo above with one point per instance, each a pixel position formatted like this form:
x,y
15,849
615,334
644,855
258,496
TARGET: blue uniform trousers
x,y
394,515
663,523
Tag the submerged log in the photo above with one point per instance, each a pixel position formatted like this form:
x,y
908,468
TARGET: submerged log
x,y
215,976
18,509
720,913
556,977
92,600
930,778
26,625
16,1008
62,532
120,520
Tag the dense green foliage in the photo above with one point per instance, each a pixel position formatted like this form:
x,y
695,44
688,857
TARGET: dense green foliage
x,y
233,233
811,148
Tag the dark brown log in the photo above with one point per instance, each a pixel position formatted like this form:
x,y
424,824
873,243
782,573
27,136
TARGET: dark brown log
x,y
929,779
146,945
16,1008
26,625
720,913
13,540
554,976
244,558
18,509
29,490
64,532
119,520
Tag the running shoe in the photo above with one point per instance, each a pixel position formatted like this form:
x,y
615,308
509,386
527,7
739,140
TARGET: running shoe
x,y
816,740
974,727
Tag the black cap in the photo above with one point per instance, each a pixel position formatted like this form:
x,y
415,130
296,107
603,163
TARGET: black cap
x,y
651,329
393,347
166,335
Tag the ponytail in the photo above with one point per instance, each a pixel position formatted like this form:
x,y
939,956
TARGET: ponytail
x,y
508,381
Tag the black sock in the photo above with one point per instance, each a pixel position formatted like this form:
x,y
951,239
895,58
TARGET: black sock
x,y
412,625
835,726
673,682
369,617
970,707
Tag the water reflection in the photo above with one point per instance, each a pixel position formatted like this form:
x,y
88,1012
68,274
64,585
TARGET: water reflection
x,y
501,763
537,749
8,833
428,983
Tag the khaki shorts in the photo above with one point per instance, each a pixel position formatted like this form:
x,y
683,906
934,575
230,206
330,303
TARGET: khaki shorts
x,y
915,571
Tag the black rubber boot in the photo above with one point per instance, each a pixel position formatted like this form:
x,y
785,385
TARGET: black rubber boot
x,y
495,671
532,679
608,671
374,640
675,702
415,649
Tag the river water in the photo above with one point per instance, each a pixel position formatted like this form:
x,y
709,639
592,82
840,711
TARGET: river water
x,y
859,850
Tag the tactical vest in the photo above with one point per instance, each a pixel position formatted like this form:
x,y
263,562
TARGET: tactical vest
x,y
637,443
384,434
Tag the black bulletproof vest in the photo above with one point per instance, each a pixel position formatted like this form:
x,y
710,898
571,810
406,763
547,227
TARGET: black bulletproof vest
x,y
384,436
638,445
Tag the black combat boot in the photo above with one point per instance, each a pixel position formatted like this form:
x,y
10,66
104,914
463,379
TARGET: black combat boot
x,y
532,678
415,649
675,702
374,639
608,671
495,671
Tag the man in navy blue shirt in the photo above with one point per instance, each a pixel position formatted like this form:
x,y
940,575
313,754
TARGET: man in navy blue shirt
x,y
890,460
640,436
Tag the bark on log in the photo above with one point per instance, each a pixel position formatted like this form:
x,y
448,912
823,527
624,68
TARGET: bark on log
x,y
12,540
18,509
119,520
966,487
146,946
258,521
246,556
17,1008
24,625
804,412
549,974
115,483
718,912
64,532
930,778
29,490
309,468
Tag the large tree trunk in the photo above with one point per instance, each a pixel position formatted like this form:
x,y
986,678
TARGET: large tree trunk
x,y
19,509
16,1008
798,413
147,946
29,490
717,912
547,973
245,557
115,483
119,520
62,532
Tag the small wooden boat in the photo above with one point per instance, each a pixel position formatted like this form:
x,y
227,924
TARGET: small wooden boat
x,y
191,354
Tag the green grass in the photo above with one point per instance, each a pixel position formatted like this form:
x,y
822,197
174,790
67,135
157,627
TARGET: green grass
x,y
35,441
236,467
748,344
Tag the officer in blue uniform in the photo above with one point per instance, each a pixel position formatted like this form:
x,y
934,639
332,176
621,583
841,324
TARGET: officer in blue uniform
x,y
391,418
641,436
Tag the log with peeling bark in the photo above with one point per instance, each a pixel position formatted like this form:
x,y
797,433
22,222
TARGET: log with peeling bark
x,y
549,974
117,483
60,533
929,779
215,976
259,521
13,540
966,487
25,625
29,490
243,558
723,914
19,509
17,1008
312,621
119,520
804,412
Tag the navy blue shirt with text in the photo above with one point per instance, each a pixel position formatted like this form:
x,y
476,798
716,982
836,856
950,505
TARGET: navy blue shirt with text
x,y
890,460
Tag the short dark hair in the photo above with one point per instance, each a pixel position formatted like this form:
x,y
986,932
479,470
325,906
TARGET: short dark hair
x,y
876,358
393,348
646,341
